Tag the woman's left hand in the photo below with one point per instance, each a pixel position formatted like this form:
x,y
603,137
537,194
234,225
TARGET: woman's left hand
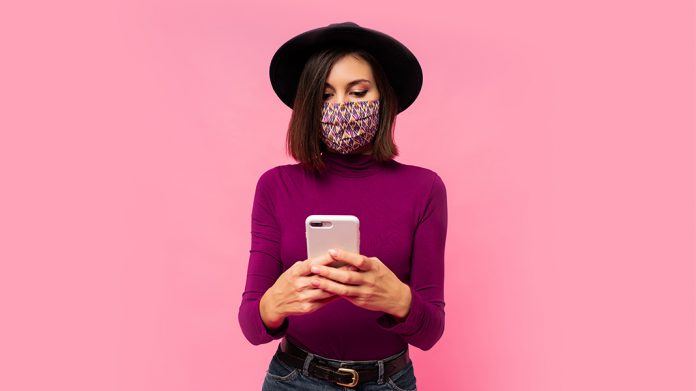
x,y
372,285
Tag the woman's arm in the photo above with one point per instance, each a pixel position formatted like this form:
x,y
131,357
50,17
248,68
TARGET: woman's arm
x,y
424,323
264,266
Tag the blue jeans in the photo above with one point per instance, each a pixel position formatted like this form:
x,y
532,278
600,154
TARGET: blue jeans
x,y
280,377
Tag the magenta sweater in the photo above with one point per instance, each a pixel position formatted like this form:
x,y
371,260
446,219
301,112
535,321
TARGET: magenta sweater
x,y
403,222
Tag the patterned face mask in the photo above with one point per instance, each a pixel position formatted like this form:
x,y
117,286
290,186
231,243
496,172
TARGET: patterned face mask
x,y
349,126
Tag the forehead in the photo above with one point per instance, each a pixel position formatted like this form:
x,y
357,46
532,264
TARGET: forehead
x,y
347,69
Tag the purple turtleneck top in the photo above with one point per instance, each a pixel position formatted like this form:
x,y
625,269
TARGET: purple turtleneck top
x,y
403,221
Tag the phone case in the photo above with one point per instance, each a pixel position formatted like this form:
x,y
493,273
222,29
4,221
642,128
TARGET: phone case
x,y
324,232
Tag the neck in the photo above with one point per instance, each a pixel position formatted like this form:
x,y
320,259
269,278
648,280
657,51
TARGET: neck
x,y
351,164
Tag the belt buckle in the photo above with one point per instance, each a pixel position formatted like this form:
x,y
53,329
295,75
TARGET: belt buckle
x,y
355,377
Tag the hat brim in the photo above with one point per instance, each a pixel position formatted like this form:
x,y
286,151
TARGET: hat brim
x,y
400,64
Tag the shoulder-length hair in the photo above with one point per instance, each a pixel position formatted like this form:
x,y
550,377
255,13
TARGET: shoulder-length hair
x,y
304,131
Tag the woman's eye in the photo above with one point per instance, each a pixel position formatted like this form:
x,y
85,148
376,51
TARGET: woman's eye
x,y
359,94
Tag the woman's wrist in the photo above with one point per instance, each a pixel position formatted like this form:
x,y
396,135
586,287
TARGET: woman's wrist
x,y
269,314
402,310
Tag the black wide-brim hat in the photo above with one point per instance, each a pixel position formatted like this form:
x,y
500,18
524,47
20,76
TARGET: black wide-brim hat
x,y
401,66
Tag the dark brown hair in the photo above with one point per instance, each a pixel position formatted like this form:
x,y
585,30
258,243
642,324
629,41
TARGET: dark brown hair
x,y
304,131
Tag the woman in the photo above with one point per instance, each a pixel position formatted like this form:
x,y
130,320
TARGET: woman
x,y
348,327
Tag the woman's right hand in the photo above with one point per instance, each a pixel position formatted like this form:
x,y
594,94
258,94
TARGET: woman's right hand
x,y
294,294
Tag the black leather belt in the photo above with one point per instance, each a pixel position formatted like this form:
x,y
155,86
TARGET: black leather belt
x,y
343,375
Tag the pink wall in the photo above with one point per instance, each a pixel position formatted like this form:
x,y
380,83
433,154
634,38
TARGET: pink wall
x,y
133,134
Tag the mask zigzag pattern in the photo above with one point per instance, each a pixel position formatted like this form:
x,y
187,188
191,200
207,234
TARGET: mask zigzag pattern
x,y
349,126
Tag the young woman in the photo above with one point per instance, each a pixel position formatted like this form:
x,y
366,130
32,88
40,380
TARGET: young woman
x,y
348,327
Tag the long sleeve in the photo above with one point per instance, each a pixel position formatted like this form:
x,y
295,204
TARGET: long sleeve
x,y
425,322
264,266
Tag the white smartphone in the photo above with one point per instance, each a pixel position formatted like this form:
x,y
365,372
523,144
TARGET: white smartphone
x,y
324,232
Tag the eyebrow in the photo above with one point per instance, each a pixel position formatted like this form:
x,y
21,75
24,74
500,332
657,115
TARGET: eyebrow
x,y
352,83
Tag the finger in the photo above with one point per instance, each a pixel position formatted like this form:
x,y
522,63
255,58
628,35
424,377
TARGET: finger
x,y
335,287
328,299
344,276
302,268
358,260
316,294
319,294
302,283
315,305
325,259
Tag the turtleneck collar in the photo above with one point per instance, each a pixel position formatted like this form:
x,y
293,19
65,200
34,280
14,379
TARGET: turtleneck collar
x,y
351,164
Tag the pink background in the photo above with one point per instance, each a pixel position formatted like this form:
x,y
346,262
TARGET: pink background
x,y
133,133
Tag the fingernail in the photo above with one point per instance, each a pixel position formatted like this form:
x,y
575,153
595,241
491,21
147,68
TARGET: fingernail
x,y
315,269
332,251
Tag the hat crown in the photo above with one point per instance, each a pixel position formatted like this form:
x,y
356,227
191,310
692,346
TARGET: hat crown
x,y
344,24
